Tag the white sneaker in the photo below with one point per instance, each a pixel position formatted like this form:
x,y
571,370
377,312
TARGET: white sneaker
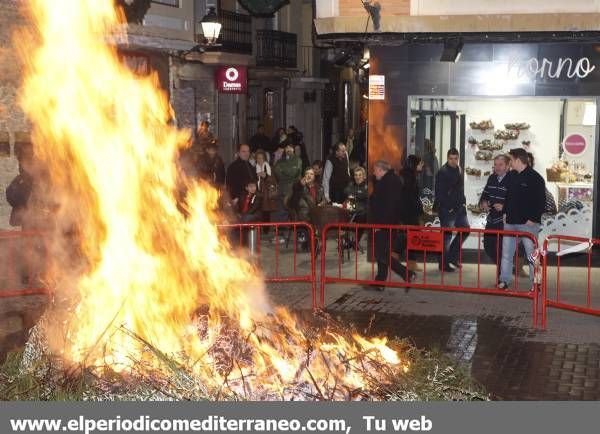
x,y
503,285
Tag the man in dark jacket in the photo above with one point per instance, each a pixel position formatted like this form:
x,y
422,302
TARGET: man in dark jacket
x,y
17,196
450,200
239,173
260,141
203,138
211,166
336,175
492,201
523,210
385,208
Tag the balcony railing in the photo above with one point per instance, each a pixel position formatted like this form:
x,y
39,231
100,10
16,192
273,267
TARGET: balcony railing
x,y
275,48
236,33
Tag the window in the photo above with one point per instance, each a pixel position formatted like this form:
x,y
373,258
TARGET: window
x,y
272,23
174,3
202,7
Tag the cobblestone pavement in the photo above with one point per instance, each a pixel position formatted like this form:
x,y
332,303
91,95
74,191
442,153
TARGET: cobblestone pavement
x,y
491,336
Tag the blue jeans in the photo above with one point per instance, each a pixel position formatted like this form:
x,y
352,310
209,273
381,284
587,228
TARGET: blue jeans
x,y
456,219
509,245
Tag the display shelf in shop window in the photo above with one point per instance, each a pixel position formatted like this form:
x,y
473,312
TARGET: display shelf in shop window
x,y
581,191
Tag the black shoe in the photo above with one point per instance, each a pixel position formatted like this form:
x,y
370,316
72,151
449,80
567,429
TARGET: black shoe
x,y
446,269
503,286
368,287
412,276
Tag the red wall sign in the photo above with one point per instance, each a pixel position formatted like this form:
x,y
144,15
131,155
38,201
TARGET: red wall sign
x,y
232,79
425,240
574,144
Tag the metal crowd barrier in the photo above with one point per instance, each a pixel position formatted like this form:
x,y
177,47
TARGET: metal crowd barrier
x,y
425,242
573,298
22,255
251,235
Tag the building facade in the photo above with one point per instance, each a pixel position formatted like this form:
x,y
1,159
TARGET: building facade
x,y
275,52
523,75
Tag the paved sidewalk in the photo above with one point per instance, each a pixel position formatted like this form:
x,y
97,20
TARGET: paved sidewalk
x,y
491,336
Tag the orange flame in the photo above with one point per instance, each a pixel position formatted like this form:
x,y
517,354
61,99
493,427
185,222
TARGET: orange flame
x,y
386,140
103,134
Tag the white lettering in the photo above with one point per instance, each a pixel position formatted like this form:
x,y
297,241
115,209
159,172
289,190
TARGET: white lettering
x,y
400,424
533,65
378,424
581,69
542,70
423,424
584,71
559,67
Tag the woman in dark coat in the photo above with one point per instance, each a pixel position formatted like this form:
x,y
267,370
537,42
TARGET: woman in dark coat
x,y
306,195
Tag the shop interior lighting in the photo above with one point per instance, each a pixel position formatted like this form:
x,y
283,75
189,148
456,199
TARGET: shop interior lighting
x,y
452,50
589,115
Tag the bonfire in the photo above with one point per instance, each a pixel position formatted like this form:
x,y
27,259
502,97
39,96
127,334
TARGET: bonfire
x,y
145,295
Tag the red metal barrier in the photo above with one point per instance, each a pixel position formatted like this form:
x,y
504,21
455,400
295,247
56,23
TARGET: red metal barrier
x,y
428,240
21,252
290,235
559,301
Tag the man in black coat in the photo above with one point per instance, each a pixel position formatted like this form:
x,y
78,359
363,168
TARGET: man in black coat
x,y
450,200
239,173
211,166
525,203
336,174
260,141
17,196
386,209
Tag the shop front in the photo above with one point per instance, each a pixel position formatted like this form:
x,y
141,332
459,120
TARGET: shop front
x,y
539,96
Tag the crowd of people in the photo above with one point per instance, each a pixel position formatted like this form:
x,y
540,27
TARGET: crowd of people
x,y
272,179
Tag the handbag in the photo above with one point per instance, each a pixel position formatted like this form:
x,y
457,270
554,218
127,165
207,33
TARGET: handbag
x,y
271,188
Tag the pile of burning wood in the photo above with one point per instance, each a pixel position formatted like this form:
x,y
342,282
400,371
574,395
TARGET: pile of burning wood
x,y
161,377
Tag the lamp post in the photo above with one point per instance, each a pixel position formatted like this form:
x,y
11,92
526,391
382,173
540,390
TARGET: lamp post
x,y
211,27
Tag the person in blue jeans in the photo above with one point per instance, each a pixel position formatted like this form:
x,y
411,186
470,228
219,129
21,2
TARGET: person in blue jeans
x,y
450,200
523,210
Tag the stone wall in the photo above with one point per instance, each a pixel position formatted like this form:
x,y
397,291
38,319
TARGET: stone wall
x,y
12,120
17,314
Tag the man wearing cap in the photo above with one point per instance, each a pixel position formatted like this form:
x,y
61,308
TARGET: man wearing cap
x,y
523,210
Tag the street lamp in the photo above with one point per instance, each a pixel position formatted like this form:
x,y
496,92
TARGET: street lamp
x,y
211,27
